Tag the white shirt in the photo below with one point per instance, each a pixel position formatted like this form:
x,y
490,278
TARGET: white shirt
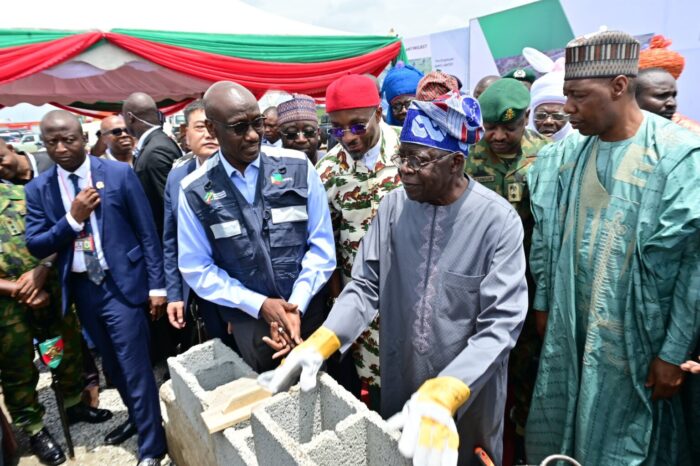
x,y
108,156
65,185
142,139
67,195
372,155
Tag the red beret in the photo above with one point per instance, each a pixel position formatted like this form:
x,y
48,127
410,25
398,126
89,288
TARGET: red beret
x,y
352,91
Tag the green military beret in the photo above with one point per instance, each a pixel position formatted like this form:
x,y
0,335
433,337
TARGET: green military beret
x,y
521,74
504,101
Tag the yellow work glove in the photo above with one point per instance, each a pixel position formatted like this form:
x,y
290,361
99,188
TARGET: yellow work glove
x,y
306,358
429,432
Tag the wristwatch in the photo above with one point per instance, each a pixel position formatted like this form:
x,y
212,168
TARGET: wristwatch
x,y
48,264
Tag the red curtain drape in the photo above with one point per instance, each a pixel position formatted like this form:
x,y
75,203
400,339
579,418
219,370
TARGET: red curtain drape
x,y
258,76
24,60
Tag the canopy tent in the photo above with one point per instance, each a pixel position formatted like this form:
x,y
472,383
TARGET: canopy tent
x,y
96,70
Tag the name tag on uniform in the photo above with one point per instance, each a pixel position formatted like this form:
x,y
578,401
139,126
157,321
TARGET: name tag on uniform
x,y
485,179
226,229
295,213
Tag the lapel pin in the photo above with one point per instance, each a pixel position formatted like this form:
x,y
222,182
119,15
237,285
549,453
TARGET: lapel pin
x,y
99,185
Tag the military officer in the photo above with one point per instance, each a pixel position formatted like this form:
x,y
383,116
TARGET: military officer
x,y
254,231
500,161
30,307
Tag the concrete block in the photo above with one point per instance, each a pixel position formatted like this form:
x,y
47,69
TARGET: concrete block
x,y
197,377
235,447
324,426
185,445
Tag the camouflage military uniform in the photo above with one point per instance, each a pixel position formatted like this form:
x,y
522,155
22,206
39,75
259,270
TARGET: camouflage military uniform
x,y
354,193
20,324
510,181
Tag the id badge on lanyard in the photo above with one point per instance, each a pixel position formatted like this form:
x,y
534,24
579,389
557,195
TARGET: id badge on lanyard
x,y
84,242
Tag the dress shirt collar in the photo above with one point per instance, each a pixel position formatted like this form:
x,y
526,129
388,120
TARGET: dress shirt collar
x,y
143,138
230,170
83,171
372,155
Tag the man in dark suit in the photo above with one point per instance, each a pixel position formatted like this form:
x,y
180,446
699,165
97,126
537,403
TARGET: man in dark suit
x,y
93,214
155,154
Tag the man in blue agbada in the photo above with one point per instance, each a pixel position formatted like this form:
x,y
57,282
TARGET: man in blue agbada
x,y
443,265
616,258
399,90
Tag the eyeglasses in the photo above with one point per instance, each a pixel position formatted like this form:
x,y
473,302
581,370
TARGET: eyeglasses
x,y
116,132
558,116
398,106
307,132
357,129
241,128
414,163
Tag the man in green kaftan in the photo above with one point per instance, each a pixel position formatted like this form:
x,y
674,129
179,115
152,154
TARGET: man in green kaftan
x,y
616,258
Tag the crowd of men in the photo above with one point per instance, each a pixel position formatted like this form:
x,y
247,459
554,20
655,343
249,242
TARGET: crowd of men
x,y
532,251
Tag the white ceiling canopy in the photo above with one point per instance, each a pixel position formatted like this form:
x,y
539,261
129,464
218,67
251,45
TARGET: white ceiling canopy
x,y
213,16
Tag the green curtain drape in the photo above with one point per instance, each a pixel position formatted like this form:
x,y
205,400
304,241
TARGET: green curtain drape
x,y
16,37
283,49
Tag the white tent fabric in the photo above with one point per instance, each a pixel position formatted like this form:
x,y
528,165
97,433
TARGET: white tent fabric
x,y
106,72
213,16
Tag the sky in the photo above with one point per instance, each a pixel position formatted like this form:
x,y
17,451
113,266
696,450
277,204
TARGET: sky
x,y
407,18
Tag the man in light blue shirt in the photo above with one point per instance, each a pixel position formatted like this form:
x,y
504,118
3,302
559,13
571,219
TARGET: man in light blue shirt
x,y
254,231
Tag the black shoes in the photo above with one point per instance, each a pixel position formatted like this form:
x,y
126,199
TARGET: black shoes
x,y
46,448
121,433
84,413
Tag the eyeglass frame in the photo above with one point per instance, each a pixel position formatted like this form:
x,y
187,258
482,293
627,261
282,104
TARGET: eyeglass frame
x,y
403,105
248,125
564,116
307,134
112,132
423,164
352,128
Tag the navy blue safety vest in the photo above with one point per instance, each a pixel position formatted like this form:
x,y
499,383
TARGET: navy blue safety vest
x,y
261,245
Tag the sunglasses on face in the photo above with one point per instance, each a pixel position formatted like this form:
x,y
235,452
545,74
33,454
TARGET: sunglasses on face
x,y
241,128
414,163
398,106
558,116
116,132
358,129
307,132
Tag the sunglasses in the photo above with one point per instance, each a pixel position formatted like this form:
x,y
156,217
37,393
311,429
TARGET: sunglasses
x,y
559,116
398,106
116,132
242,127
357,129
307,132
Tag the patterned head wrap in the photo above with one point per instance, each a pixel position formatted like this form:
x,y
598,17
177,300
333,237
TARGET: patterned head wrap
x,y
451,122
300,108
435,84
659,56
603,54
